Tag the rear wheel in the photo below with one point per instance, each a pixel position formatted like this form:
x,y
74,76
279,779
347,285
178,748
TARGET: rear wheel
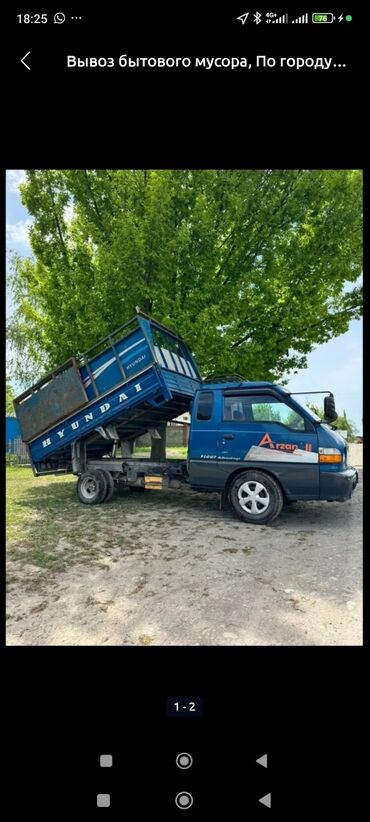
x,y
110,484
92,487
256,497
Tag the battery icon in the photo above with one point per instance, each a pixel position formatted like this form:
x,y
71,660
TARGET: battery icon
x,y
323,18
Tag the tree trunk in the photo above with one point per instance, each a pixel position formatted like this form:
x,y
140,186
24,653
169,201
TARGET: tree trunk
x,y
147,307
158,449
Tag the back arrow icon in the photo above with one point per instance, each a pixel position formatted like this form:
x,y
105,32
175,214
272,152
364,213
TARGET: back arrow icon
x,y
23,59
266,800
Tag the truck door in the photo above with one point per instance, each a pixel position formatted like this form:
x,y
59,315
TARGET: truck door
x,y
263,431
202,449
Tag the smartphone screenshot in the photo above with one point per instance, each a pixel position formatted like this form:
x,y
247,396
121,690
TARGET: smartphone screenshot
x,y
183,474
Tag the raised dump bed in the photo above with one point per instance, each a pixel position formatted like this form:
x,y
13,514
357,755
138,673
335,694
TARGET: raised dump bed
x,y
141,375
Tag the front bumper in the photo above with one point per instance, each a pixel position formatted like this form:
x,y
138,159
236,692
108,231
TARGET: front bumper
x,y
338,486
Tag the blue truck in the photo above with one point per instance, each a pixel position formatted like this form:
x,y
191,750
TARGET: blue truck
x,y
252,442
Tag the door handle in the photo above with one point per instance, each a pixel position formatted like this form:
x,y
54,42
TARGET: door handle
x,y
228,436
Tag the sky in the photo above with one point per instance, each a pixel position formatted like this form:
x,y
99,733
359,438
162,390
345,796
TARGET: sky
x,y
334,366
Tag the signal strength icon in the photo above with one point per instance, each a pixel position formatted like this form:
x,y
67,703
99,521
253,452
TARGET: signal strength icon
x,y
283,19
302,19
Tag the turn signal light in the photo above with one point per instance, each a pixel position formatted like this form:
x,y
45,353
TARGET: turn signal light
x,y
330,458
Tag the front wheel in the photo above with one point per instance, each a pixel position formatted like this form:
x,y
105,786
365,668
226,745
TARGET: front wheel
x,y
256,497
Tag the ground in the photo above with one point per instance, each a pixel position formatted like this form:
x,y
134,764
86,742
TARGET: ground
x,y
169,568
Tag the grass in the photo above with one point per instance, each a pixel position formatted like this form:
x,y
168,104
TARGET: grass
x,y
33,514
19,481
49,529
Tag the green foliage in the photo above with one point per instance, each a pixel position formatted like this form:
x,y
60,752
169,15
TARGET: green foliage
x,y
342,423
249,266
317,409
9,396
266,411
294,419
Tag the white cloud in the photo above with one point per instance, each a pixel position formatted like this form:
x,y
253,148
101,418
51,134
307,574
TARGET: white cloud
x,y
18,232
14,178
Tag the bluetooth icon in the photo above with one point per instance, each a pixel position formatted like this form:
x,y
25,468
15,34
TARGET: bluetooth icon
x,y
257,17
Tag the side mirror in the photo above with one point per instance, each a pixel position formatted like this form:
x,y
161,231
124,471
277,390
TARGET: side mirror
x,y
329,408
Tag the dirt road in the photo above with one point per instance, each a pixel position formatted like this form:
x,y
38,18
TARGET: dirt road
x,y
172,569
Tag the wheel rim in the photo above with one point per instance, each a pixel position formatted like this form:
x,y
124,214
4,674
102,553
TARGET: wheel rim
x,y
88,487
253,497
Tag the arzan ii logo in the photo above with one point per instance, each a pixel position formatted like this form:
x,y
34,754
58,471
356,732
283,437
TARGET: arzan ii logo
x,y
282,446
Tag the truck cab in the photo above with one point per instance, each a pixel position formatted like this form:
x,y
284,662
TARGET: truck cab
x,y
262,449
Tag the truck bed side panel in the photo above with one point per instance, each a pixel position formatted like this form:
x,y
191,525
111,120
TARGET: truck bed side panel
x,y
56,399
148,385
133,353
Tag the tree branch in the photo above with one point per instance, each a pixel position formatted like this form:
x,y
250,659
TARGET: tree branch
x,y
58,226
95,205
347,311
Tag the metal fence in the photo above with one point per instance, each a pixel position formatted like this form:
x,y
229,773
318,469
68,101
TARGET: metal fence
x,y
17,451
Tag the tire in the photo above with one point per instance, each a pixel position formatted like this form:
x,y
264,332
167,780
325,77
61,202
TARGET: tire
x,y
256,497
110,484
91,487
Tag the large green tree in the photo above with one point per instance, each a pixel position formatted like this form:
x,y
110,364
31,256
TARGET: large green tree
x,y
249,266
